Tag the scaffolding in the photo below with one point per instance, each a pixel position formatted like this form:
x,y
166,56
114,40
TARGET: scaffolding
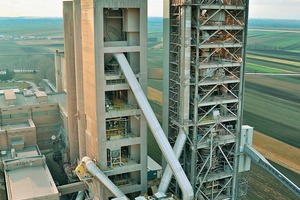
x,y
117,128
207,51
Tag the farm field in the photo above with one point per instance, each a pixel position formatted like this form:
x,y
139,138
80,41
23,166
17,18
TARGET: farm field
x,y
19,85
34,54
25,26
272,102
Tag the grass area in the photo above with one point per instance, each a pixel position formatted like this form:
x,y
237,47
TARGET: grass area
x,y
279,39
19,85
273,82
251,67
155,58
25,77
284,67
291,55
273,116
275,60
156,84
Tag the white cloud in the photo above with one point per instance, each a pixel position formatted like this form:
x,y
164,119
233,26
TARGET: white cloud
x,y
280,9
38,8
155,8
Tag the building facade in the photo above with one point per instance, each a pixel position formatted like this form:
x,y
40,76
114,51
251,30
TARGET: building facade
x,y
114,129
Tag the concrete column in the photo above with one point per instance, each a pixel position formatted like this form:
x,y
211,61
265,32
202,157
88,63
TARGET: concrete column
x,y
58,72
79,78
70,79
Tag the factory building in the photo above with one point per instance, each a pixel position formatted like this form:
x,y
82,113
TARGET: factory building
x,y
32,119
32,126
95,125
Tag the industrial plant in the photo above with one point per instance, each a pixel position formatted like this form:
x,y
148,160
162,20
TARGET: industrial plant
x,y
95,124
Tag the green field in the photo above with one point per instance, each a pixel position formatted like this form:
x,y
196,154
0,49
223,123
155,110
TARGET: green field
x,y
272,103
23,26
31,54
19,85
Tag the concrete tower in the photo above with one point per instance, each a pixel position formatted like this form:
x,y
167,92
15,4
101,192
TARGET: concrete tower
x,y
203,91
111,127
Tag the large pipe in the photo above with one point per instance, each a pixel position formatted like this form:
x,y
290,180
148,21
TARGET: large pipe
x,y
80,195
178,147
158,133
100,176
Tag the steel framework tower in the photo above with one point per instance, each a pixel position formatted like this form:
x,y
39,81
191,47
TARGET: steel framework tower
x,y
203,91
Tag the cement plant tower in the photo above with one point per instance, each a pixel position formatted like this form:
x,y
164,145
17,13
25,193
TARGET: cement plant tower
x,y
204,46
111,127
203,92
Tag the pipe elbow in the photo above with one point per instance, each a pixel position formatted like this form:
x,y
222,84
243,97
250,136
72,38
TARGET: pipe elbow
x,y
188,194
85,160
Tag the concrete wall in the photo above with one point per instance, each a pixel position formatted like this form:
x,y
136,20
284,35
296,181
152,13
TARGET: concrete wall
x,y
104,35
89,78
70,79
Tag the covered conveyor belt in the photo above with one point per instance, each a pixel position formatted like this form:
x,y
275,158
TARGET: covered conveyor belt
x,y
261,161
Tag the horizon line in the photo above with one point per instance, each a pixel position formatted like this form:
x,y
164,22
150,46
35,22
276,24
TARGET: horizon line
x,y
60,17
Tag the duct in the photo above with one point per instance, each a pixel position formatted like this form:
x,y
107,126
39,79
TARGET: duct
x,y
178,147
101,177
155,127
80,195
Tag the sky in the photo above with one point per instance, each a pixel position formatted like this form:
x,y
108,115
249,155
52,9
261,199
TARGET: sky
x,y
274,9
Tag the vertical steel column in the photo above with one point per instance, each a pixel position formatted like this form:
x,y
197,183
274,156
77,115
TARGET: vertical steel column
x,y
196,100
166,69
235,184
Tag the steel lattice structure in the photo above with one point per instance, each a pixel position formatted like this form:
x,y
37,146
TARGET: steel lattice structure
x,y
206,45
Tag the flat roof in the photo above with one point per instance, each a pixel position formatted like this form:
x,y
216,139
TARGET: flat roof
x,y
31,183
28,100
40,94
19,125
27,175
29,151
9,95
